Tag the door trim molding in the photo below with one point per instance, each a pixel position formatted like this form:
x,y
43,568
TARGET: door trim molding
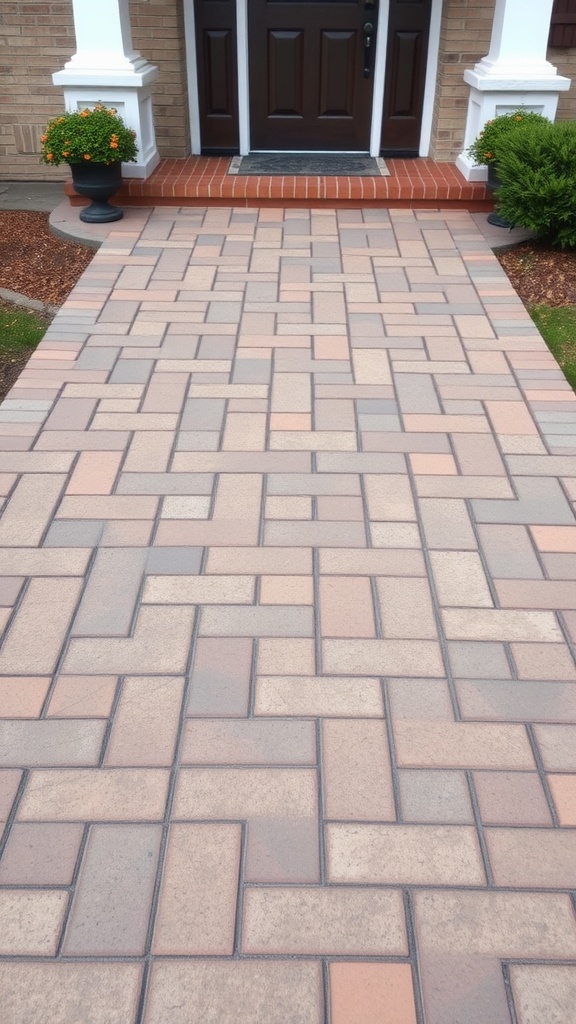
x,y
431,78
379,77
192,77
243,88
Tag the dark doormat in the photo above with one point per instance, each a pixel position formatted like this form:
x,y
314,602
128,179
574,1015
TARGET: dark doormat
x,y
339,165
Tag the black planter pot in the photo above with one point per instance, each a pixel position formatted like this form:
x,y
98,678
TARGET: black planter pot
x,y
493,184
98,182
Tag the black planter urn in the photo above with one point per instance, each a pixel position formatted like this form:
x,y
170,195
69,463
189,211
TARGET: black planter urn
x,y
493,184
98,182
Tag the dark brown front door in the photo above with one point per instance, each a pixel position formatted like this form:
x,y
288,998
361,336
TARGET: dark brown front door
x,y
308,88
408,32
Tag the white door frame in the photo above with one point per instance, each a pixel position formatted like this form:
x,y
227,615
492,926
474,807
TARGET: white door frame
x,y
379,76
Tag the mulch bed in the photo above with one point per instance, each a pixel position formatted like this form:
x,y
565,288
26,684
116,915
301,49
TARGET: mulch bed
x,y
541,275
34,262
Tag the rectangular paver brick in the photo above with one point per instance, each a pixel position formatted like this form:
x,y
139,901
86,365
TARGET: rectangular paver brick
x,y
404,854
345,921
146,722
61,992
234,992
197,908
352,751
113,897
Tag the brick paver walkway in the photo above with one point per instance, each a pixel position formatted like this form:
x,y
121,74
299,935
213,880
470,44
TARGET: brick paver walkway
x,y
287,578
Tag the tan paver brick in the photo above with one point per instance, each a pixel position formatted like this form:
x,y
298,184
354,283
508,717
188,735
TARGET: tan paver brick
x,y
22,696
146,722
50,743
30,509
286,656
563,789
197,909
113,794
82,697
404,854
382,657
557,747
511,798
63,993
462,745
239,793
532,858
354,750
346,606
31,921
406,610
309,695
511,924
343,921
38,632
235,992
544,992
249,742
40,854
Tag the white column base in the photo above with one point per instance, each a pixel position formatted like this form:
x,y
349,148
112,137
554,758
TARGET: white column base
x,y
130,91
491,95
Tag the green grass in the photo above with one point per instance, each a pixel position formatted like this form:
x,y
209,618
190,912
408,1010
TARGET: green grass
x,y
20,330
557,325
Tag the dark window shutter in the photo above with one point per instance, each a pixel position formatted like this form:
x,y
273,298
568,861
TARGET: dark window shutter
x,y
563,24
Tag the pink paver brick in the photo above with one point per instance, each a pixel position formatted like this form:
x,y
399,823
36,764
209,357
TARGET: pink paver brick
x,y
22,697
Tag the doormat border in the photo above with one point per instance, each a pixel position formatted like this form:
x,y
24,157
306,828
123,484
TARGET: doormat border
x,y
235,167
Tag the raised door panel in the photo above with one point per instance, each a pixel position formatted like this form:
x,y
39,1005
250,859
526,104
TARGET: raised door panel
x,y
285,66
217,75
337,73
217,59
407,51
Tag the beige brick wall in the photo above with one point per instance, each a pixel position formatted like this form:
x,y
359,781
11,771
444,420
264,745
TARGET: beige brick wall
x,y
37,39
464,21
158,33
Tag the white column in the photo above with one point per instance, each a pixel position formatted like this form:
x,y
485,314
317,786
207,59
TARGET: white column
x,y
106,67
514,73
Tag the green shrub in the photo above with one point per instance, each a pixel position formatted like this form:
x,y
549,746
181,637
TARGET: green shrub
x,y
97,134
494,136
537,169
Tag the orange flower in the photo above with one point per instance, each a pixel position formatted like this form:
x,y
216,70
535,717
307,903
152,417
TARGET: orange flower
x,y
65,153
49,156
488,156
85,113
113,145
43,138
87,156
518,117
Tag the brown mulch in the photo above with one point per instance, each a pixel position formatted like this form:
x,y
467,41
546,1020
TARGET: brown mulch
x,y
541,275
34,262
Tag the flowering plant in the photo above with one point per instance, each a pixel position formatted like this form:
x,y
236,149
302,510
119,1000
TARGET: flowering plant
x,y
98,134
491,141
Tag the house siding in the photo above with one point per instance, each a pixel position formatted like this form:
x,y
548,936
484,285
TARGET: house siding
x,y
37,39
